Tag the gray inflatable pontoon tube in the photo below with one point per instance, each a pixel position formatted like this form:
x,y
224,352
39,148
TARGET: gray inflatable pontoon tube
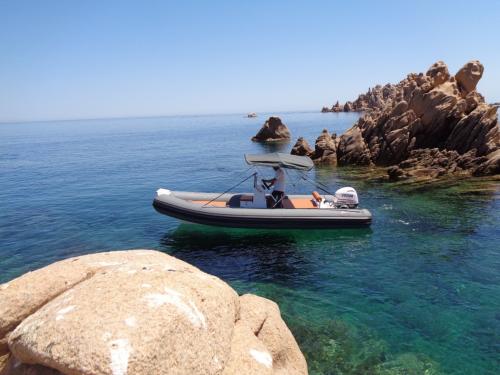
x,y
232,210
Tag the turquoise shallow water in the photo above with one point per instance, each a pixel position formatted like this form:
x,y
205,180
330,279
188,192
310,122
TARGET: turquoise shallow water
x,y
418,292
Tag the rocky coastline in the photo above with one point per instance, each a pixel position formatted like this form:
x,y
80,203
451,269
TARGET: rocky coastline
x,y
138,312
424,127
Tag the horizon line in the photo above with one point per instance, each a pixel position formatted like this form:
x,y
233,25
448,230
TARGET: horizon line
x,y
150,116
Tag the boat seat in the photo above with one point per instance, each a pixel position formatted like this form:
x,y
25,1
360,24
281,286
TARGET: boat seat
x,y
286,203
298,203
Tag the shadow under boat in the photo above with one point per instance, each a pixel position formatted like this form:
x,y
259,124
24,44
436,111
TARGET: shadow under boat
x,y
185,230
278,256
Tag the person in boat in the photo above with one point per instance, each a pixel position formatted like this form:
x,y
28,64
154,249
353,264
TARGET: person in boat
x,y
279,186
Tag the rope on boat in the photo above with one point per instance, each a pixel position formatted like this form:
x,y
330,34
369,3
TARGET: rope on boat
x,y
228,190
323,185
318,185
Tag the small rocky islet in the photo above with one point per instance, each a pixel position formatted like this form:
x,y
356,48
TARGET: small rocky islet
x,y
138,312
273,130
425,127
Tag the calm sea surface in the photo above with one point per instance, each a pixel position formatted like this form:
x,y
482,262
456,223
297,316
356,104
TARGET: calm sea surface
x,y
418,292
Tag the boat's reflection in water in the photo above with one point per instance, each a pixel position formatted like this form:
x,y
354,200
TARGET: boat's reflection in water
x,y
259,255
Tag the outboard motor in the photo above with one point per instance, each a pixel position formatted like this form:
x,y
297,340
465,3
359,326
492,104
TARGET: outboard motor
x,y
346,197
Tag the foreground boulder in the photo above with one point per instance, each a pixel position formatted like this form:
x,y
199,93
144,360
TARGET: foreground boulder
x,y
426,118
138,312
273,130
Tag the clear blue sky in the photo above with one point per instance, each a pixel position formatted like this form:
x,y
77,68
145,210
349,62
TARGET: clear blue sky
x,y
89,59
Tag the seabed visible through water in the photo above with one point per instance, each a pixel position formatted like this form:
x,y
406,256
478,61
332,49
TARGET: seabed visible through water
x,y
418,292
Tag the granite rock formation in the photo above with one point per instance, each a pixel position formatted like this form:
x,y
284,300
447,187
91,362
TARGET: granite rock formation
x,y
375,98
273,130
379,97
468,77
138,312
302,148
325,148
433,163
348,107
421,121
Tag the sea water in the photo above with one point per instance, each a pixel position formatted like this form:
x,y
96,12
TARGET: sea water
x,y
418,292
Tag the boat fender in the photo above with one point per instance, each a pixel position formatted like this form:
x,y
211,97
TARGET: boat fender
x,y
160,192
316,196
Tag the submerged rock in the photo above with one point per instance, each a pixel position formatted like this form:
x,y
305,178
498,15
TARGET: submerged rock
x,y
138,312
337,346
273,130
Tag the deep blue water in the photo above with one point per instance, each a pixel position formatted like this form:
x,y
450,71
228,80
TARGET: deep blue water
x,y
418,292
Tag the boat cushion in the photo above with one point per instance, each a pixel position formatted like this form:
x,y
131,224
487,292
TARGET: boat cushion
x,y
298,203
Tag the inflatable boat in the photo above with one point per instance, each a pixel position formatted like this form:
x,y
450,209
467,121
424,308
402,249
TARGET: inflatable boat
x,y
259,209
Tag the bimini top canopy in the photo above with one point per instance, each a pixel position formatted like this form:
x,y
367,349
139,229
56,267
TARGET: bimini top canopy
x,y
278,159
